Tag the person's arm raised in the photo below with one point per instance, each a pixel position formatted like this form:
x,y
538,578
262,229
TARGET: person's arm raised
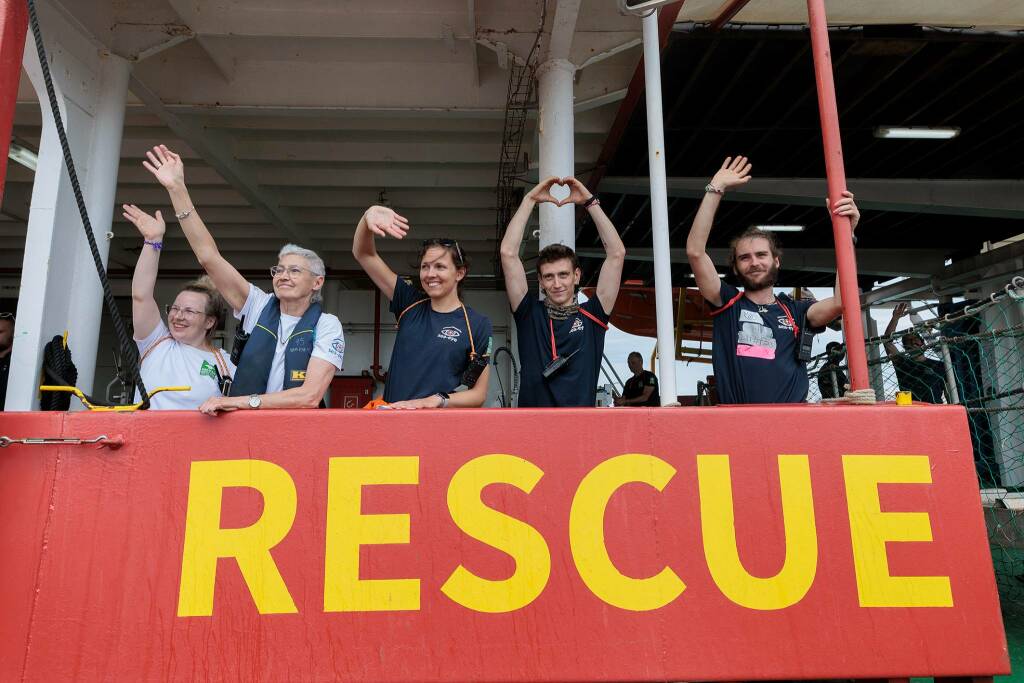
x,y
145,310
732,174
169,170
380,221
898,312
511,265
610,278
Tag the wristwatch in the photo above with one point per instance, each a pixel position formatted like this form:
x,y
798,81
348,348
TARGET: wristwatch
x,y
254,401
444,399
711,188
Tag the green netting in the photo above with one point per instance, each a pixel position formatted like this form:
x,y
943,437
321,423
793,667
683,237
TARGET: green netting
x,y
973,355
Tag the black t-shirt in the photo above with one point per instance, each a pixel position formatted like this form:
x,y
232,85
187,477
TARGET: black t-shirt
x,y
832,381
634,388
754,352
5,369
431,349
575,384
925,379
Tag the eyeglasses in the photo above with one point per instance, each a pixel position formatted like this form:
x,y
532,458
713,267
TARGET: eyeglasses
x,y
444,242
190,313
293,271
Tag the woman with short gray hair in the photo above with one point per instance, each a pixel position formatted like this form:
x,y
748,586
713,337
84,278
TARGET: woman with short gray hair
x,y
294,347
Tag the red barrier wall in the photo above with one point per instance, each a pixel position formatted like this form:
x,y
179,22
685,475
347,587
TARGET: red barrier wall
x,y
105,553
13,29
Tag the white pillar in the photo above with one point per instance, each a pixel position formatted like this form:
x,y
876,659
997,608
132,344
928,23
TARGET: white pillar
x,y
331,292
659,214
59,287
87,308
557,154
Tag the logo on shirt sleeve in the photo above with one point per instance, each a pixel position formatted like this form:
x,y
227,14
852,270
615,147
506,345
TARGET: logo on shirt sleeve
x,y
338,347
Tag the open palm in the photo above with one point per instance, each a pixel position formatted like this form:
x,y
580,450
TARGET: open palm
x,y
151,227
165,165
384,222
734,172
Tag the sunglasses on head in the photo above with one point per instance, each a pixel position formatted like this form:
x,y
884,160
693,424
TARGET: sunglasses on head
x,y
444,242
6,316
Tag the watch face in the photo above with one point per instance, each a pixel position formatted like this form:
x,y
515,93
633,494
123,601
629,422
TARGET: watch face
x,y
254,401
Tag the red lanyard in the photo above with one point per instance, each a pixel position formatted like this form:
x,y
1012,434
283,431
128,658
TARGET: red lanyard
x,y
554,351
789,317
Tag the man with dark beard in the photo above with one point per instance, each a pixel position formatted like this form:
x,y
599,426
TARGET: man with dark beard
x,y
756,334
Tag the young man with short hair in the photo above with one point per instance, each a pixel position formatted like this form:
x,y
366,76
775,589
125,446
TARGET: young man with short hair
x,y
756,334
642,388
561,342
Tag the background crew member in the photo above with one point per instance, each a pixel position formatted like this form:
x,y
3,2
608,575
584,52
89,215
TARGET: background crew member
x,y
832,380
439,339
294,349
756,335
560,341
923,377
6,344
178,353
642,388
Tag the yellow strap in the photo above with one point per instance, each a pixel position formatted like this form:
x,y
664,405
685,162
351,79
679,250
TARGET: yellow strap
x,y
465,314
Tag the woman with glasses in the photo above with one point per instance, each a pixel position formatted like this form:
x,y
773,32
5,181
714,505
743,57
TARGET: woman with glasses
x,y
294,347
177,352
441,343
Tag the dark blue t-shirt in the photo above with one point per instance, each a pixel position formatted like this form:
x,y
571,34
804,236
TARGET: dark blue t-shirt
x,y
575,384
754,352
431,349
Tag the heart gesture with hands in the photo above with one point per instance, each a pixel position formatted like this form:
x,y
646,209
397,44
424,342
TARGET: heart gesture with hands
x,y
384,222
152,228
734,172
578,192
166,166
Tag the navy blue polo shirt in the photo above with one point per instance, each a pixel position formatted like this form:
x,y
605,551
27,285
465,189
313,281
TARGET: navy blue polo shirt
x,y
754,352
576,383
431,349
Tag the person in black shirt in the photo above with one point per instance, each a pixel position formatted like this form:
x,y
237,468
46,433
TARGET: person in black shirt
x,y
561,341
6,344
439,337
642,388
832,381
923,377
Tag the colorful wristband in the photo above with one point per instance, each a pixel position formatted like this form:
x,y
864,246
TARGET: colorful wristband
x,y
156,245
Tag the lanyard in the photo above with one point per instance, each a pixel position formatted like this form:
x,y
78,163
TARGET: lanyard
x,y
789,317
586,314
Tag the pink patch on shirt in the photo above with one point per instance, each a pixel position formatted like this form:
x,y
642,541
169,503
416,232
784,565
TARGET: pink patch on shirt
x,y
755,351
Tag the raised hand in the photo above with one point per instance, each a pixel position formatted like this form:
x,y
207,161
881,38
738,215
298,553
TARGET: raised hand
x,y
542,193
847,207
152,228
578,192
384,222
900,310
166,166
734,172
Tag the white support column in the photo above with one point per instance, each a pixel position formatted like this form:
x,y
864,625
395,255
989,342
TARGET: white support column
x,y
86,308
59,287
331,291
557,152
659,214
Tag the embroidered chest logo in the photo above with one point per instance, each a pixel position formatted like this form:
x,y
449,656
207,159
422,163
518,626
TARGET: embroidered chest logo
x,y
450,333
577,325
784,323
207,370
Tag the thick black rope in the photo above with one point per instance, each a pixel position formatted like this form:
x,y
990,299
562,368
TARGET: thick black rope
x,y
131,353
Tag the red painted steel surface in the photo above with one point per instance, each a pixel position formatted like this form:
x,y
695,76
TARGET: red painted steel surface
x,y
846,260
13,28
92,547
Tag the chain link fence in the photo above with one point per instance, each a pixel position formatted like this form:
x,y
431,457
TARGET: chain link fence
x,y
972,354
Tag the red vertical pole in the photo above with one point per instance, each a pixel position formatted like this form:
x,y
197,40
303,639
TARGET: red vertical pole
x,y
846,261
13,28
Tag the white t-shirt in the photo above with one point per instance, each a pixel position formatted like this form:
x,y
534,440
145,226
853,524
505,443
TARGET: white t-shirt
x,y
172,363
328,338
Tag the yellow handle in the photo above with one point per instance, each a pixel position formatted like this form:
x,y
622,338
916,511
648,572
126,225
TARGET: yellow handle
x,y
107,409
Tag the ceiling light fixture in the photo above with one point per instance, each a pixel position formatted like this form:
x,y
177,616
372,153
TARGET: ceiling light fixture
x,y
780,228
916,133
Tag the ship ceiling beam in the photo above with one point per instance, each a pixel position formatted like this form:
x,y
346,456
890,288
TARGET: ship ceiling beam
x,y
981,198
